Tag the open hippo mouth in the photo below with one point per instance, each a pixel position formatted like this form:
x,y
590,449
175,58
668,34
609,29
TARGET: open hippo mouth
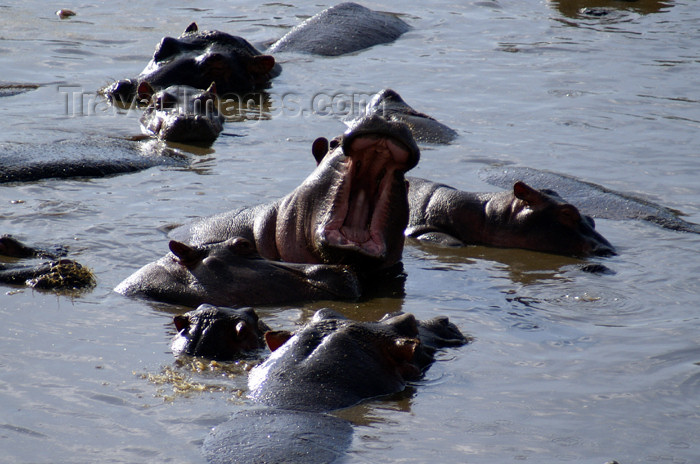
x,y
369,204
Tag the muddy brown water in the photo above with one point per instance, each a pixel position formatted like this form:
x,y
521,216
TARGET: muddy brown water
x,y
567,366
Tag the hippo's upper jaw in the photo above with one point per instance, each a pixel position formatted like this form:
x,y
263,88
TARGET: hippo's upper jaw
x,y
365,209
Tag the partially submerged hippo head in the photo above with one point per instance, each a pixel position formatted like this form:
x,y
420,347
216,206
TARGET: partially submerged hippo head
x,y
181,113
389,104
541,220
62,274
353,208
231,273
221,334
198,58
333,362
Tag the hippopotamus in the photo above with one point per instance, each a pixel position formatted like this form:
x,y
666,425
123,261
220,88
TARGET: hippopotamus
x,y
333,362
181,113
198,58
352,209
343,28
523,217
390,105
57,273
218,333
329,363
592,199
232,273
89,157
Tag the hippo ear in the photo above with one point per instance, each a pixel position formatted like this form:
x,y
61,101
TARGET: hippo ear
x,y
569,216
187,256
212,88
276,338
145,92
181,322
191,28
526,193
261,64
250,312
319,149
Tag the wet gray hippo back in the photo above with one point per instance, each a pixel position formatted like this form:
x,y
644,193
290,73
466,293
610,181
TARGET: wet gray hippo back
x,y
344,28
90,157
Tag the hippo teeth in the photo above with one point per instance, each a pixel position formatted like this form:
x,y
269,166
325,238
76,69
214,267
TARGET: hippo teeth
x,y
355,226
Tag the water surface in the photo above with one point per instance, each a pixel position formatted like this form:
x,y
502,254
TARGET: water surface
x,y
567,366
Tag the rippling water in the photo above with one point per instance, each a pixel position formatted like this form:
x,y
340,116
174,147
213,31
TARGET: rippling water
x,y
566,366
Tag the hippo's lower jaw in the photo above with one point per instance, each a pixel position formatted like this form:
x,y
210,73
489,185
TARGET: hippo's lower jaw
x,y
373,247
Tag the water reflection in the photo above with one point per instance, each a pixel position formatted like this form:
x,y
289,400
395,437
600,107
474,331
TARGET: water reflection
x,y
577,9
368,413
523,266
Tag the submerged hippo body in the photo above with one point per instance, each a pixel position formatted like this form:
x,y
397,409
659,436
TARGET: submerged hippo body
x,y
90,157
343,28
198,58
424,128
217,333
526,218
232,274
352,209
333,362
57,273
593,199
181,113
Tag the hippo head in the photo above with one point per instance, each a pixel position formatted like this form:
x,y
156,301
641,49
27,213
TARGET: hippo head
x,y
231,273
333,362
387,101
353,208
181,113
541,220
198,58
218,333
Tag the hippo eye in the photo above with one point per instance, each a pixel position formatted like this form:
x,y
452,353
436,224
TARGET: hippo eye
x,y
241,246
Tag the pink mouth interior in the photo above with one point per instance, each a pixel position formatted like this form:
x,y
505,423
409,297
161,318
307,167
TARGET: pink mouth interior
x,y
361,210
